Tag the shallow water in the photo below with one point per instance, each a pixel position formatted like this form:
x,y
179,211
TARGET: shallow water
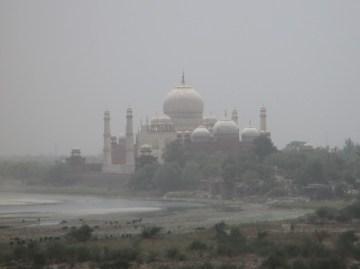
x,y
21,204
51,209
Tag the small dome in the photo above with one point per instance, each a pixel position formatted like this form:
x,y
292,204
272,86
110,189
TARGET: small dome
x,y
146,149
200,134
145,146
183,99
209,122
250,132
161,120
225,127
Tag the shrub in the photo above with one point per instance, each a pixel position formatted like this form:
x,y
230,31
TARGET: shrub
x,y
327,263
326,213
120,259
231,244
81,234
174,253
150,232
56,251
299,264
275,261
345,244
152,256
198,245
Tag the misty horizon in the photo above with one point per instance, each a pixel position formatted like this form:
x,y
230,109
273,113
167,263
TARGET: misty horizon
x,y
62,64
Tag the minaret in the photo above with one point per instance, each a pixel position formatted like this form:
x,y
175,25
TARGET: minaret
x,y
263,127
235,117
130,157
107,140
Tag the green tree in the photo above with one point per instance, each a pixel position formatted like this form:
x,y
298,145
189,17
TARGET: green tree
x,y
312,172
191,175
349,150
168,177
144,160
263,147
175,153
229,171
143,178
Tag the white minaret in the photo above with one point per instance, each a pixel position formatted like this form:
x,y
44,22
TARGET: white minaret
x,y
130,156
263,127
107,140
235,116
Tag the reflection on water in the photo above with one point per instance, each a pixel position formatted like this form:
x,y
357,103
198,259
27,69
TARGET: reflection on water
x,y
17,204
45,209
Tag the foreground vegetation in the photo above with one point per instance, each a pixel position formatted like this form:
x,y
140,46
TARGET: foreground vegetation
x,y
326,239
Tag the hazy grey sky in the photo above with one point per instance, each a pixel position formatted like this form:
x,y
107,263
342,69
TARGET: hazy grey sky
x,y
62,63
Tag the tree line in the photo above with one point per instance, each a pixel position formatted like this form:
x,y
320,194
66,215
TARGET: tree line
x,y
258,169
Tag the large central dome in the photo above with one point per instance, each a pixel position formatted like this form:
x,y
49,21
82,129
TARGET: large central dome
x,y
184,106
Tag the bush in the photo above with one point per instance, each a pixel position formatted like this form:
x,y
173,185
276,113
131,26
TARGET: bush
x,y
56,251
231,244
174,254
81,234
230,266
198,245
275,261
150,232
326,213
327,263
353,210
346,243
299,264
152,256
120,259
311,248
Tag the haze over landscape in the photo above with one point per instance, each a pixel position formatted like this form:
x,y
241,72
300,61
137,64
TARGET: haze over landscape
x,y
179,134
62,63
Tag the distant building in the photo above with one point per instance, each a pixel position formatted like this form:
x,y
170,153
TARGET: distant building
x,y
119,155
298,146
182,120
75,160
78,164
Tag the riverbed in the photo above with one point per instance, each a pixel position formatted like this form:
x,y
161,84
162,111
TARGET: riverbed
x,y
35,212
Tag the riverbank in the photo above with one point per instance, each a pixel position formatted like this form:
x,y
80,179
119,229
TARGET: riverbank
x,y
112,214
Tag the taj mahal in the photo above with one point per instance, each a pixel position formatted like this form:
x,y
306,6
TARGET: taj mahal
x,y
183,120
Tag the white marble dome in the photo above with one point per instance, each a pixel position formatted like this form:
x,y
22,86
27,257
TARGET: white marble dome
x,y
250,131
146,149
201,134
225,127
183,99
249,134
185,107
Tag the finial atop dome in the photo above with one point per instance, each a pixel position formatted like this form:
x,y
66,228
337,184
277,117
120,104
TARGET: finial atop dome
x,y
183,78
